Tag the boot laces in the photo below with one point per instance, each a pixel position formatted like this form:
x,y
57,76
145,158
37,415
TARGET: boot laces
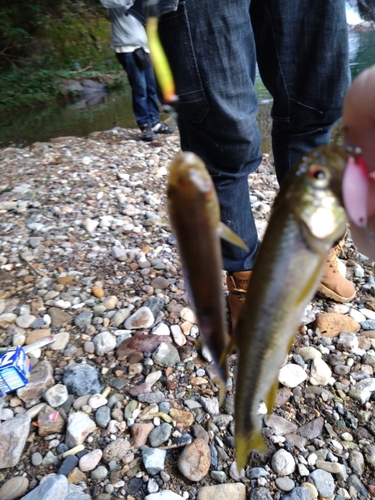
x,y
333,259
239,292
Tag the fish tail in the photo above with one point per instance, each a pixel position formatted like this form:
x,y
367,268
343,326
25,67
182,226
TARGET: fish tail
x,y
245,444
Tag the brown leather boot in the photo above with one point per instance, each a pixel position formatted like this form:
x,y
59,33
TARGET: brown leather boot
x,y
333,284
237,286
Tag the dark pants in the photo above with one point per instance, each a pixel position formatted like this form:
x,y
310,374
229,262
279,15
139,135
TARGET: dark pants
x,y
143,85
301,47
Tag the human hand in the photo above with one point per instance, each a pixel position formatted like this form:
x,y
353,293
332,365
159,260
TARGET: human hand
x,y
359,176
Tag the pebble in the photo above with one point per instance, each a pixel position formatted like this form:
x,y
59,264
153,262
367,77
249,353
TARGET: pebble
x,y
211,405
160,435
323,482
153,460
89,461
320,372
292,375
332,324
260,494
99,473
178,337
194,461
14,488
97,291
166,355
235,491
285,483
283,463
141,319
56,395
164,495
299,493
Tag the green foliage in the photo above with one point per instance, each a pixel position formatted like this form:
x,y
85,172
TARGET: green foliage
x,y
19,23
40,32
24,88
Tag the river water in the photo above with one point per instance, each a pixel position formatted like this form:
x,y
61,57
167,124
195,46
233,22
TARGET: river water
x,y
25,127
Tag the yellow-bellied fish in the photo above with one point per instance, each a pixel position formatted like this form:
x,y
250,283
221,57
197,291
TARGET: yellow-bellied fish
x,y
307,218
195,219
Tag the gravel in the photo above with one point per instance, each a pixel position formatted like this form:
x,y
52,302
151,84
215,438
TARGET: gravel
x,y
123,404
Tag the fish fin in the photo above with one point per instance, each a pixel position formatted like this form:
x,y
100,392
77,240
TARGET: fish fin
x,y
231,346
246,444
222,388
228,235
270,399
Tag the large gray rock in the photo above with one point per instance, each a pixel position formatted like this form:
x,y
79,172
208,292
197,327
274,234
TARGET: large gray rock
x,y
81,380
13,435
53,487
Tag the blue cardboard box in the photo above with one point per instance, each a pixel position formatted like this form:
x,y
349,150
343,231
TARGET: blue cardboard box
x,y
15,369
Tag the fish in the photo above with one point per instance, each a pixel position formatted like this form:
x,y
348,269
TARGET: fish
x,y
194,214
307,218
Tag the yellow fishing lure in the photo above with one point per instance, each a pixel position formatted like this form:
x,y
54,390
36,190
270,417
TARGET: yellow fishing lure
x,y
159,60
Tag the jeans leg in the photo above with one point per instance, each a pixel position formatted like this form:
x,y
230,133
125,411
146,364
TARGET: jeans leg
x,y
302,51
211,50
152,97
138,84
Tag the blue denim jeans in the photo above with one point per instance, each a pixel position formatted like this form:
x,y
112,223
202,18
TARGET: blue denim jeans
x,y
301,47
144,93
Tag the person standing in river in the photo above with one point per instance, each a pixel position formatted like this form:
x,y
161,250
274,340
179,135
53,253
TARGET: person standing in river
x,y
129,40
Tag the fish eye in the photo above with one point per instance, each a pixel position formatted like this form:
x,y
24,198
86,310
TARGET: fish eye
x,y
317,172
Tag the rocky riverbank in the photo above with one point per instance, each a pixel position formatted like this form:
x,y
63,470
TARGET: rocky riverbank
x,y
123,404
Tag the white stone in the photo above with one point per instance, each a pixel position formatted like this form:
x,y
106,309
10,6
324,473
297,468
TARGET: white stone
x,y
90,460
177,335
367,313
303,470
104,342
188,315
320,372
143,318
164,495
308,353
90,225
292,375
161,329
283,463
311,459
96,401
340,309
56,395
25,320
357,315
79,426
153,377
63,304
